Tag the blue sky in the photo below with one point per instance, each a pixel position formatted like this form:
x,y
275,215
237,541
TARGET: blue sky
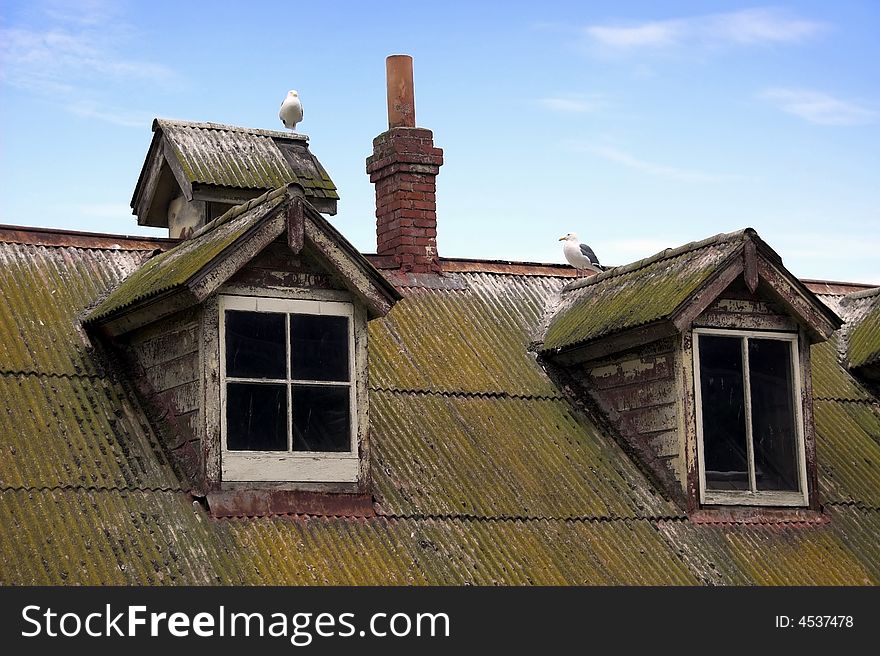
x,y
638,125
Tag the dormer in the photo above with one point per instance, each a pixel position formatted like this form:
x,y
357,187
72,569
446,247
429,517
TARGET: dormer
x,y
699,359
194,172
248,343
862,334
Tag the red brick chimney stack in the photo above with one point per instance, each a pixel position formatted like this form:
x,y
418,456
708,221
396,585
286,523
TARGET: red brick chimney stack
x,y
403,167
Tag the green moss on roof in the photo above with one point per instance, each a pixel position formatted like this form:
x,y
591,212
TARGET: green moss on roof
x,y
830,379
230,156
637,294
175,267
864,338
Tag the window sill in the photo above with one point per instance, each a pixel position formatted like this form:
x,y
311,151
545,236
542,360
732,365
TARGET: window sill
x,y
745,515
263,466
738,498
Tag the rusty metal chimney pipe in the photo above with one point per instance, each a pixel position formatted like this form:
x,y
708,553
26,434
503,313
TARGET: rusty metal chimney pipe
x,y
401,95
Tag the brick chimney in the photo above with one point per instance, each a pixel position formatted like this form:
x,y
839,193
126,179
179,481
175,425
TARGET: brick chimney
x,y
403,166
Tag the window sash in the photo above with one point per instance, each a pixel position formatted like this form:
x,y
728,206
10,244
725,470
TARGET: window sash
x,y
752,496
289,307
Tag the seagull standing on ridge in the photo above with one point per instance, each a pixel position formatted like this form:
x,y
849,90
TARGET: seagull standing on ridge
x,y
291,110
579,255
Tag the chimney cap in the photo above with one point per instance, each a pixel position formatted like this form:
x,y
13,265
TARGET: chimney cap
x,y
400,91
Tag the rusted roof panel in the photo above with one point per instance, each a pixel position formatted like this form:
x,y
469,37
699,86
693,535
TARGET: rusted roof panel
x,y
474,339
78,431
864,338
776,554
500,457
230,156
637,294
848,451
43,292
92,537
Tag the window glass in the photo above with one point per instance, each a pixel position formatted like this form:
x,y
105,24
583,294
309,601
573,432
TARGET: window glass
x,y
319,347
774,431
725,453
255,345
256,417
321,420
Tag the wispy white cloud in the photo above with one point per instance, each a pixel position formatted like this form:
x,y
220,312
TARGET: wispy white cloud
x,y
574,104
653,168
739,28
821,108
75,54
125,118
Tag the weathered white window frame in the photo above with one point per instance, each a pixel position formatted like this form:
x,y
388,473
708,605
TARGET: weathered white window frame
x,y
299,466
753,497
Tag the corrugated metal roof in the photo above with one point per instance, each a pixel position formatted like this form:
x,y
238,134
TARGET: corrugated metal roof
x,y
76,431
637,294
864,338
54,537
830,379
848,451
456,432
44,291
175,267
779,554
230,156
500,457
478,339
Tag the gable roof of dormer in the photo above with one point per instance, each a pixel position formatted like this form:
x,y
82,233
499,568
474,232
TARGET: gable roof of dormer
x,y
661,295
188,273
207,159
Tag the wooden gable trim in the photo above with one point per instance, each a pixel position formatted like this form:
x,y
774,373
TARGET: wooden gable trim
x,y
150,176
819,321
177,169
346,268
604,346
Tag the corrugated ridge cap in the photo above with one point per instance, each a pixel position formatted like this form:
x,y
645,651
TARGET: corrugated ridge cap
x,y
865,293
238,210
669,253
165,123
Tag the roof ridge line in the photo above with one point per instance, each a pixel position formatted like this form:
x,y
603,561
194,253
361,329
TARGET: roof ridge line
x,y
577,519
209,125
416,392
860,505
238,210
91,488
669,253
52,374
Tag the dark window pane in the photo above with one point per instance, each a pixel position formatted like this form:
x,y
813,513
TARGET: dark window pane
x,y
319,349
321,418
724,430
773,415
255,345
256,417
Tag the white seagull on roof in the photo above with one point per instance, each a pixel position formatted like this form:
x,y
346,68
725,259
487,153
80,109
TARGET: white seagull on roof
x,y
291,110
579,255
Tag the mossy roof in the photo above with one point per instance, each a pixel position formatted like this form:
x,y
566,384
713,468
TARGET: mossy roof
x,y
231,156
483,472
639,293
174,268
863,347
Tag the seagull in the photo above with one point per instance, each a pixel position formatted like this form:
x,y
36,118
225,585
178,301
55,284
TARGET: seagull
x,y
291,110
579,255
